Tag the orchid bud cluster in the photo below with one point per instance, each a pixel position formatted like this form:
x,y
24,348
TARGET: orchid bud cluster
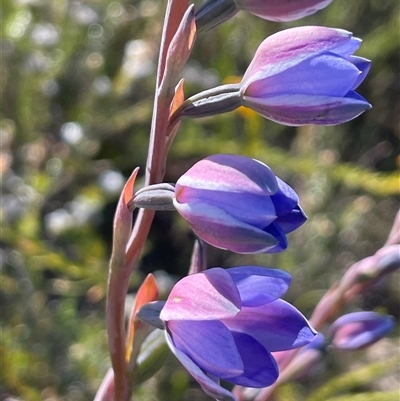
x,y
228,324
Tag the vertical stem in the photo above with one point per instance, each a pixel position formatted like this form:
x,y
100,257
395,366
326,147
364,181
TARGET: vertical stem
x,y
115,310
119,276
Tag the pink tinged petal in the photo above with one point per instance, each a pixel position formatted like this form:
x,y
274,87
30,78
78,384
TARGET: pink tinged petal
x,y
231,173
324,74
296,110
260,368
208,385
278,326
290,47
209,344
203,297
259,285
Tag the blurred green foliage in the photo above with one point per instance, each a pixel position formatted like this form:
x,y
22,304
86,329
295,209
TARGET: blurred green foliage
x,y
77,84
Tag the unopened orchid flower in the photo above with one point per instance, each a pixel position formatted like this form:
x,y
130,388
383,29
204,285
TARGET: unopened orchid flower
x,y
304,75
358,330
214,12
224,324
237,203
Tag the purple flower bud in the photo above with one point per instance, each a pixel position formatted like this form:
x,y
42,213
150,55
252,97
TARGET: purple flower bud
x,y
299,76
357,330
237,203
306,75
224,324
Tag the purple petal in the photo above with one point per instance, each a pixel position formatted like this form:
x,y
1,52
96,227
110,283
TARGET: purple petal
x,y
276,231
230,173
363,66
288,192
285,199
290,47
290,214
259,285
209,386
255,209
349,47
307,109
355,96
203,296
223,231
260,368
209,344
278,326
324,74
291,221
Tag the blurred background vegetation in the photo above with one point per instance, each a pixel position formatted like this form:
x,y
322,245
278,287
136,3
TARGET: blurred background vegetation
x,y
77,84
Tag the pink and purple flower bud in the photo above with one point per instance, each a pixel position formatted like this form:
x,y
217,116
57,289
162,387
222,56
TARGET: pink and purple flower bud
x,y
224,324
236,203
299,76
359,330
214,12
306,75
